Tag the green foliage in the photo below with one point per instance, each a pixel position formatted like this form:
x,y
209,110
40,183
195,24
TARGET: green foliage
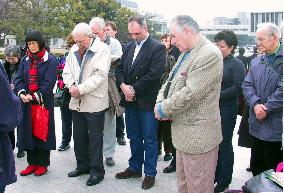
x,y
57,18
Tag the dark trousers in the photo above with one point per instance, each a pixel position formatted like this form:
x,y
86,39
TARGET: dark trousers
x,y
38,157
88,141
164,135
2,188
66,117
225,163
174,160
141,128
120,126
11,135
265,155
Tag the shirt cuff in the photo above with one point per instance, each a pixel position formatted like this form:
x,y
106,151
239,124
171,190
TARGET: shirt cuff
x,y
160,111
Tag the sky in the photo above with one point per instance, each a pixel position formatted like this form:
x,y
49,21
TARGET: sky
x,y
205,10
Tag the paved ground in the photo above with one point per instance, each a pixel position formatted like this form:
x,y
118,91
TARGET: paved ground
x,y
56,180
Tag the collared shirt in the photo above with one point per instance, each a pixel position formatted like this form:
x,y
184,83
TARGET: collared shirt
x,y
138,47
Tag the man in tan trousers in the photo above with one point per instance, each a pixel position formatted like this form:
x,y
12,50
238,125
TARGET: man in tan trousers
x,y
190,98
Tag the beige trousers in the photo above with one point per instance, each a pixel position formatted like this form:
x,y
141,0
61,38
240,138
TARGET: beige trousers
x,y
196,172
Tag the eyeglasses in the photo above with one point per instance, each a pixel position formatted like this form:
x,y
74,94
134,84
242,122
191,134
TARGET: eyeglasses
x,y
136,34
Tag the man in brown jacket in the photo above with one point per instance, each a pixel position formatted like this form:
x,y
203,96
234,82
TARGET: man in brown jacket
x,y
190,98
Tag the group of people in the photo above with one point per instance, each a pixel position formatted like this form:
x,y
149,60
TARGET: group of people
x,y
181,91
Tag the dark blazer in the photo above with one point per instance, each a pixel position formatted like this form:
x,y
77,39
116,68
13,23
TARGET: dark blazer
x,y
47,72
145,73
11,113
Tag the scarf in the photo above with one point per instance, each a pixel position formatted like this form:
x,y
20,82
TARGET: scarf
x,y
33,72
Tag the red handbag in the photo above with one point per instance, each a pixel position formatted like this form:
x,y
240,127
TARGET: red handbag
x,y
40,117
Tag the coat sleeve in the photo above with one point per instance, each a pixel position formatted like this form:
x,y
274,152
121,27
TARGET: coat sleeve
x,y
249,89
238,74
275,100
99,75
67,76
156,69
207,74
10,106
20,78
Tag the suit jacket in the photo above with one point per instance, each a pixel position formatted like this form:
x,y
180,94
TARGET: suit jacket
x,y
192,102
144,74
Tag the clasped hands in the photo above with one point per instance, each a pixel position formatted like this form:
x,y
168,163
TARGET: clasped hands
x,y
74,91
260,112
128,91
157,115
26,98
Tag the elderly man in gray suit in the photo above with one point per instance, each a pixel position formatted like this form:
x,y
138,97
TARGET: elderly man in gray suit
x,y
190,98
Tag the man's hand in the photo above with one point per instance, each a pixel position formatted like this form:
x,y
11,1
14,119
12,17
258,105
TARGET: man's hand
x,y
74,91
157,115
260,112
128,92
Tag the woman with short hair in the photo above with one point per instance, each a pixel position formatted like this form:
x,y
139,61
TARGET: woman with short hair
x,y
34,85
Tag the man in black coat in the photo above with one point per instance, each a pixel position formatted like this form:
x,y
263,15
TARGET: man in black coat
x,y
10,110
138,75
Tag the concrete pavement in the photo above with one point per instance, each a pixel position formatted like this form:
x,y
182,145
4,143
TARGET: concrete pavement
x,y
57,181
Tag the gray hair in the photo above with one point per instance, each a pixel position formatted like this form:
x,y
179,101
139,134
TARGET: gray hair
x,y
12,50
98,20
184,20
82,28
138,19
270,28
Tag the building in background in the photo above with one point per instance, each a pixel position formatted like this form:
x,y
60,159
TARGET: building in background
x,y
261,17
129,4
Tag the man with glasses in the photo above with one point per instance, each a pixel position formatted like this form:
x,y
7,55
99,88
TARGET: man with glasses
x,y
263,90
138,75
86,75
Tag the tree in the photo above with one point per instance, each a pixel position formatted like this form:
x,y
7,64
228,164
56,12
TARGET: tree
x,y
57,18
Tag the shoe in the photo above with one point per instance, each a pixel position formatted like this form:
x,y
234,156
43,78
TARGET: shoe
x,y
148,182
121,141
167,157
169,169
41,170
248,169
20,154
64,147
76,173
93,180
221,187
128,174
110,162
29,170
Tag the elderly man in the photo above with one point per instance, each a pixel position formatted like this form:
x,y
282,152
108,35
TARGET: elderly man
x,y
86,76
263,90
97,25
138,75
190,98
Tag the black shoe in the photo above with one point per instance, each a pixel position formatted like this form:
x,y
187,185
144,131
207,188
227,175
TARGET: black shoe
x,y
167,157
121,141
20,154
221,187
76,173
169,169
93,180
110,162
64,147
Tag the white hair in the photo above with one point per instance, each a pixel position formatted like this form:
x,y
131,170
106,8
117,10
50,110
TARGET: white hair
x,y
184,20
270,28
82,28
98,20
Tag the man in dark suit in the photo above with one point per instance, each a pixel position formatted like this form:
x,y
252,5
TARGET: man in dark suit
x,y
138,75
